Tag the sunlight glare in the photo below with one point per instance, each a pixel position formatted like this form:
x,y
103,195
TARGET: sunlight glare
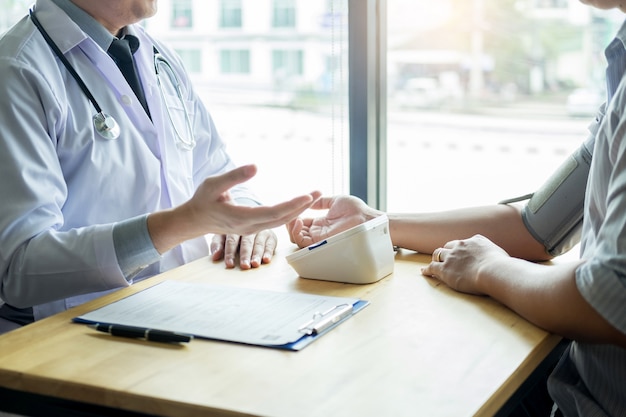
x,y
417,15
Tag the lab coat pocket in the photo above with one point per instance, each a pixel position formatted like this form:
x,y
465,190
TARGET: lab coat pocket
x,y
179,114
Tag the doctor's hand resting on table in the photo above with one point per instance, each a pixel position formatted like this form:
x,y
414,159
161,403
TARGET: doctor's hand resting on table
x,y
114,167
493,251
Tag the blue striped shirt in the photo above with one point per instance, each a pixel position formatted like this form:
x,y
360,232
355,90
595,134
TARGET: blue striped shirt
x,y
590,380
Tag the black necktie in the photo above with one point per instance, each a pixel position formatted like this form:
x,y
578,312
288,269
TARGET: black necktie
x,y
122,50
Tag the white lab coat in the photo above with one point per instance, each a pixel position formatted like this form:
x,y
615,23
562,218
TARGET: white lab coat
x,y
64,187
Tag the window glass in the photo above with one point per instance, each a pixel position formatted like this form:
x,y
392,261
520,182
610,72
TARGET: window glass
x,y
182,14
287,63
277,100
230,14
284,14
235,61
192,59
486,98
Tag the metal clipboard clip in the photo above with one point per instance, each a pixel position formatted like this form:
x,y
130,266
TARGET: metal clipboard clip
x,y
322,321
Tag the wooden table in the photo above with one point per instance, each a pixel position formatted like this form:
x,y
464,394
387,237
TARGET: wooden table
x,y
419,349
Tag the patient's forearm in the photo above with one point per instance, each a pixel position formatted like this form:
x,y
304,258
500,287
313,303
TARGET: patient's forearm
x,y
502,224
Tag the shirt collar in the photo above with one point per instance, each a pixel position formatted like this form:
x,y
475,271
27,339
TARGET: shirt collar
x,y
87,24
618,45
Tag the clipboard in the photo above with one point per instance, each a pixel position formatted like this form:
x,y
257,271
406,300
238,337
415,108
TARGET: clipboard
x,y
289,321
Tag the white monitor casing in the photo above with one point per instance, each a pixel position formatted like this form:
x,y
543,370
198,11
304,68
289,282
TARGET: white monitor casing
x,y
361,255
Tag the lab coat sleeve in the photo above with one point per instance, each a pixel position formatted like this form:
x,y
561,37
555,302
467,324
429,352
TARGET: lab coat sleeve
x,y
40,260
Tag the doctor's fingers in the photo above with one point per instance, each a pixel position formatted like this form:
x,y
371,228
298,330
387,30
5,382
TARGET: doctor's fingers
x,y
217,247
224,182
258,249
215,190
227,218
225,247
267,217
231,246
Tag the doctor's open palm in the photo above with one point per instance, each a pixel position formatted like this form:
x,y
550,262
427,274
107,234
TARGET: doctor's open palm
x,y
211,210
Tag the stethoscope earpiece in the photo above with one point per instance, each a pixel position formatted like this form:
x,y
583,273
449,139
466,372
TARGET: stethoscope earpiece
x,y
106,126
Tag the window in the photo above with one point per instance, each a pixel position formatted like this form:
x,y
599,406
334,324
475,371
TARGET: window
x,y
486,98
235,61
286,64
192,58
284,14
182,14
279,100
230,14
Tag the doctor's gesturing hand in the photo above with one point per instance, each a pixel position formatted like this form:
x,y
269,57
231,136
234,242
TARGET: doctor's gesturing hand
x,y
211,210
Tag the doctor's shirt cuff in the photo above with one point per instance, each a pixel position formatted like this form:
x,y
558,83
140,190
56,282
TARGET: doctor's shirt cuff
x,y
133,247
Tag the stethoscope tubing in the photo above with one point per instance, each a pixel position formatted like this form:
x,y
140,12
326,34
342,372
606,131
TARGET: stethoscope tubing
x,y
65,62
105,125
181,142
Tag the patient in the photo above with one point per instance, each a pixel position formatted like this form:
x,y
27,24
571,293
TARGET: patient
x,y
493,251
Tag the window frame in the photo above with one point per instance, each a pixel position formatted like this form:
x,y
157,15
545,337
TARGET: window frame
x,y
367,97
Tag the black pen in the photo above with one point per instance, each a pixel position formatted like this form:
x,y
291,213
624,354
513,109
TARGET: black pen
x,y
142,333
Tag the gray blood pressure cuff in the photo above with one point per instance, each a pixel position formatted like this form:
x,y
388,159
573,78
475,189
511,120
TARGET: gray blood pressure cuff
x,y
554,213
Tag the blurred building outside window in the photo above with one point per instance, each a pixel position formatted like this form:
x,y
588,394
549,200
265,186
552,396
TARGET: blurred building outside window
x,y
235,61
284,14
485,98
192,59
230,14
182,14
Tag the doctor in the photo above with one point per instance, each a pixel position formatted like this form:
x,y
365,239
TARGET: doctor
x,y
90,205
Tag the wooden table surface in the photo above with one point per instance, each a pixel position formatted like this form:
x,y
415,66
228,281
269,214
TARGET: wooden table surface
x,y
419,349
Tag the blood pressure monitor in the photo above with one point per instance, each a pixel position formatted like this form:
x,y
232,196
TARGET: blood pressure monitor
x,y
361,255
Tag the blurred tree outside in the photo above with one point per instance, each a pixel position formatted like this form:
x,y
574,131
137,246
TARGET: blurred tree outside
x,y
510,41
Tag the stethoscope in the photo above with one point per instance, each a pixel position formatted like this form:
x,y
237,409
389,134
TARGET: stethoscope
x,y
106,126
162,66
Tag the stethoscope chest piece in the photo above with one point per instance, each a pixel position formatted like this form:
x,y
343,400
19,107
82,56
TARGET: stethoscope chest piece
x,y
106,126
